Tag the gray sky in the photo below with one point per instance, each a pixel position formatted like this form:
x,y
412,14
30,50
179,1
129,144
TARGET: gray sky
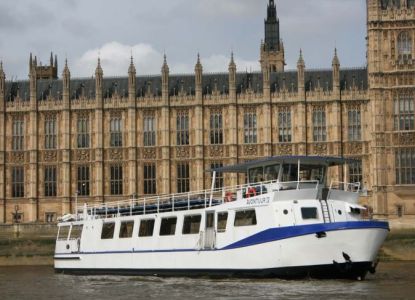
x,y
82,29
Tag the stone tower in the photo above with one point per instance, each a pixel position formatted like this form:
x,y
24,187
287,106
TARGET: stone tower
x,y
272,48
391,70
45,72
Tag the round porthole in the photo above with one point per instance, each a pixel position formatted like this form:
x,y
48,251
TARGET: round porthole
x,y
285,212
339,212
67,247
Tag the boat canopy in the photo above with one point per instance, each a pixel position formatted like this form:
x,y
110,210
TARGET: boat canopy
x,y
304,160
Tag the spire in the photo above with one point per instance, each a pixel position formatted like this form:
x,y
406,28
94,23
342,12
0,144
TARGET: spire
x,y
336,61
98,70
272,28
301,59
56,61
232,63
131,69
30,61
66,71
165,67
198,66
51,59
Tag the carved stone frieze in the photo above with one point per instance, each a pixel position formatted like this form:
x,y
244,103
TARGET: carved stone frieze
x,y
405,138
320,149
83,155
250,150
355,148
116,154
182,152
16,157
50,156
216,151
149,153
285,149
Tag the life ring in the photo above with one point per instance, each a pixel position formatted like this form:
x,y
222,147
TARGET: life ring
x,y
228,197
250,192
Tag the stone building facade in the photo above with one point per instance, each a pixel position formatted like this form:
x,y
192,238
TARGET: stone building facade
x,y
102,139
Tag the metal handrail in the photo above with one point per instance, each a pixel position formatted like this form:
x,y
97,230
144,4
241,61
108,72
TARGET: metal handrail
x,y
353,187
260,187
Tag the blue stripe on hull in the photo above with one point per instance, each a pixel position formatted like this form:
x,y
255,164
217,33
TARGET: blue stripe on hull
x,y
269,235
281,233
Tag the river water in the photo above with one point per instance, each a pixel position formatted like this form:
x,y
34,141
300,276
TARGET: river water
x,y
393,280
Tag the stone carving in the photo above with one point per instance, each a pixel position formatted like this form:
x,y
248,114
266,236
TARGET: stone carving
x,y
285,149
406,138
17,157
49,156
250,150
216,151
182,152
83,155
149,153
355,148
320,149
116,154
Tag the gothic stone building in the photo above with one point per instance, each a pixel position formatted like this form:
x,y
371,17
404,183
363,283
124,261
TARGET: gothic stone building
x,y
101,139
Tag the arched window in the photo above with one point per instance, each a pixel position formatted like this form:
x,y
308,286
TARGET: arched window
x,y
404,44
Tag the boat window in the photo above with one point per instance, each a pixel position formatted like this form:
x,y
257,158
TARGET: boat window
x,y
271,172
256,175
76,232
126,229
146,228
309,213
289,173
222,220
63,233
245,218
168,226
107,231
355,211
191,224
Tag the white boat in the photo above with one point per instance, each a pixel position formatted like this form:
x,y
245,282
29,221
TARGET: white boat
x,y
285,222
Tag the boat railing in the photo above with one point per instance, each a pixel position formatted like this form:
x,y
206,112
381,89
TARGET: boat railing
x,y
189,200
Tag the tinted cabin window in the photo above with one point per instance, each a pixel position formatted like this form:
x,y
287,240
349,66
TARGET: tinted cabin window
x,y
146,228
222,219
309,213
256,175
126,229
168,226
63,232
245,218
76,232
107,231
191,224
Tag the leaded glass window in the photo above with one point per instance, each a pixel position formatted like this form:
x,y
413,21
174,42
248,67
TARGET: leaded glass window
x,y
404,113
18,134
182,128
83,131
250,127
405,166
319,124
216,128
354,122
183,178
284,125
116,132
50,132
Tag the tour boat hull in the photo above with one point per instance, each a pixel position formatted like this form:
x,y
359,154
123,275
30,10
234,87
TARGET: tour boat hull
x,y
343,250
